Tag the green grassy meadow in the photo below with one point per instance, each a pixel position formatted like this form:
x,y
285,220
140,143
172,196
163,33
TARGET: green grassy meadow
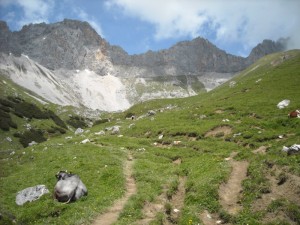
x,y
244,106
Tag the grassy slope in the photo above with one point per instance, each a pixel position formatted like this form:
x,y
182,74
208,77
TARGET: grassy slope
x,y
250,107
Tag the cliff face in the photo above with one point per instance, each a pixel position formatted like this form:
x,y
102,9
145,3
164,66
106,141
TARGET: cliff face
x,y
69,44
265,48
188,57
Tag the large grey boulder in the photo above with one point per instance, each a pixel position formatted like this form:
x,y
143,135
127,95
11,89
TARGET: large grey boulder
x,y
31,194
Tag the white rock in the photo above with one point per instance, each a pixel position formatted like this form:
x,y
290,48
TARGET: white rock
x,y
32,143
100,133
85,141
176,210
79,131
284,103
9,139
115,130
31,194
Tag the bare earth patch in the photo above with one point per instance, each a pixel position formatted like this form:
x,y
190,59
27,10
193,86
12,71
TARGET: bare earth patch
x,y
261,150
177,202
219,111
229,192
177,161
151,209
224,130
209,219
112,214
283,185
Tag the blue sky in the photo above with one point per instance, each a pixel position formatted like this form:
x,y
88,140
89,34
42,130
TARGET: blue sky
x,y
235,26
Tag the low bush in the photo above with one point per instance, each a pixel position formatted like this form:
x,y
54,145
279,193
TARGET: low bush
x,y
32,135
97,122
76,122
25,109
7,103
6,121
58,121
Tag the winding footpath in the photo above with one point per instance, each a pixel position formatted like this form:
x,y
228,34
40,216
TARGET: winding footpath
x,y
230,192
112,214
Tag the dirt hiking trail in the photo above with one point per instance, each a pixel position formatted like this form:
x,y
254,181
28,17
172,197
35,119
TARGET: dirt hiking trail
x,y
229,192
112,214
151,209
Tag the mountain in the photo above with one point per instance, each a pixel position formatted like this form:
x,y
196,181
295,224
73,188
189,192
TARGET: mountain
x,y
84,62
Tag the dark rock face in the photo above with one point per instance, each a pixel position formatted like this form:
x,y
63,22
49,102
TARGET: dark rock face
x,y
73,44
265,48
60,45
187,57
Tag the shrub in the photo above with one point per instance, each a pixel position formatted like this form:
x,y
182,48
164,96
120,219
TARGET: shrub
x,y
6,121
32,135
15,99
4,108
25,109
56,119
97,122
6,103
129,115
76,121
54,130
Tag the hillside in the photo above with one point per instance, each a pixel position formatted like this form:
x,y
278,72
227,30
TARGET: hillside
x,y
212,158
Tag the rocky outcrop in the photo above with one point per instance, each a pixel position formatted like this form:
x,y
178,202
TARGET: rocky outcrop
x,y
187,57
265,48
68,44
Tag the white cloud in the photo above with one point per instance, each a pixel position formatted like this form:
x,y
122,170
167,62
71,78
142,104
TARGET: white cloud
x,y
231,21
35,11
38,11
91,20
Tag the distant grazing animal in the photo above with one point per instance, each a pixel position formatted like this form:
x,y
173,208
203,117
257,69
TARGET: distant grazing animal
x,y
69,187
294,114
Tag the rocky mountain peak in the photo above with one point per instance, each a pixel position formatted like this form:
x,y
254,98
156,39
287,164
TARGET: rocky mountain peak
x,y
3,26
69,44
267,47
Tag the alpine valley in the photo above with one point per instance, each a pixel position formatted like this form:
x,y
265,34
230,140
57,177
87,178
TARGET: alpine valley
x,y
215,146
